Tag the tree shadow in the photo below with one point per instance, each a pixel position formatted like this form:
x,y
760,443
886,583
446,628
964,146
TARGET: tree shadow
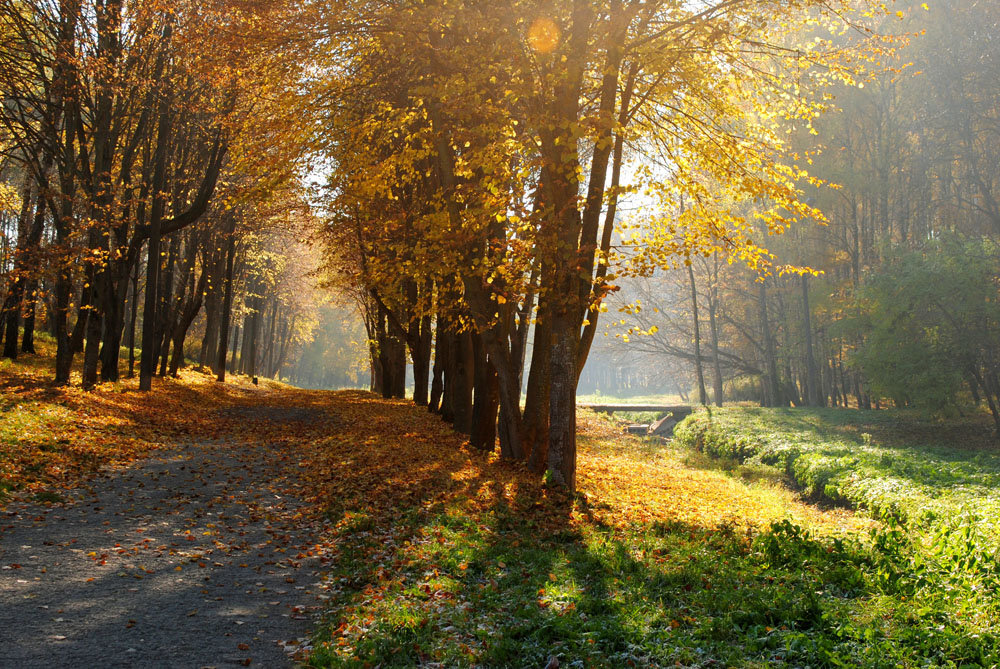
x,y
464,561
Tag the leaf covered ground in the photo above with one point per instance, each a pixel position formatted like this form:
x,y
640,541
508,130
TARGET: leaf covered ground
x,y
442,556
53,437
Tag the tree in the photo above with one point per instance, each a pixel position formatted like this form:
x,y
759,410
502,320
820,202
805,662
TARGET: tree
x,y
931,320
483,153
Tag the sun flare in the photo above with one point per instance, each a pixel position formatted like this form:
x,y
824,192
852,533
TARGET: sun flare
x,y
543,35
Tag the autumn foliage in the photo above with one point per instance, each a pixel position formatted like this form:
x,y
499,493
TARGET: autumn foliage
x,y
479,153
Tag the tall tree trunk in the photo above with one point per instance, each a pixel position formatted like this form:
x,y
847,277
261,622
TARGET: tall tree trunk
x,y
286,339
441,356
464,382
213,307
772,383
814,391
536,404
397,359
422,362
713,305
227,303
78,336
95,322
188,314
114,321
150,326
234,348
511,425
698,366
14,299
486,401
562,400
133,316
169,302
64,87
28,338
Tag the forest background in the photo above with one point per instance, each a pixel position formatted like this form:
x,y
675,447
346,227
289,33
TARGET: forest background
x,y
784,204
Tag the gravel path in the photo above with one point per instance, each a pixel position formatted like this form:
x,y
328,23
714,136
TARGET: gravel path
x,y
191,558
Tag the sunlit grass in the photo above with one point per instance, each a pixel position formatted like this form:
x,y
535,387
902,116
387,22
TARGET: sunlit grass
x,y
654,398
902,463
657,561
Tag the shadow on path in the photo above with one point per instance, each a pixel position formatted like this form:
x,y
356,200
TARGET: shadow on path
x,y
190,558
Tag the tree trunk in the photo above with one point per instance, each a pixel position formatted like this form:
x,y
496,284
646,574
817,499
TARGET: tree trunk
x,y
78,336
169,302
150,325
114,320
536,404
422,362
28,339
188,314
486,401
699,368
227,304
464,366
210,341
562,400
441,356
814,391
234,347
772,384
95,321
713,305
133,316
15,294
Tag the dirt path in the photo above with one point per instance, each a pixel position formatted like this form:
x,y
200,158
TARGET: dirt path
x,y
191,558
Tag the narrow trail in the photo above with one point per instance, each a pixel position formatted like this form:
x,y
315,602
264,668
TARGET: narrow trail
x,y
190,558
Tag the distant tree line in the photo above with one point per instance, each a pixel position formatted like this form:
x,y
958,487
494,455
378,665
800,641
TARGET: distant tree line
x,y
905,311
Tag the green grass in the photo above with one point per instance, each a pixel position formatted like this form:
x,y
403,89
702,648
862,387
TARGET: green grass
x,y
922,471
514,585
599,398
441,587
639,417
934,484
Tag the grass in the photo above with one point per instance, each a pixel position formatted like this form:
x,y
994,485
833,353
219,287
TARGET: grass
x,y
440,555
655,562
661,398
490,592
934,484
886,462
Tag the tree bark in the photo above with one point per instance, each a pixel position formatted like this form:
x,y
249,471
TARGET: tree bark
x,y
464,383
150,326
536,404
133,316
486,401
814,391
698,366
441,356
771,382
713,305
227,303
29,238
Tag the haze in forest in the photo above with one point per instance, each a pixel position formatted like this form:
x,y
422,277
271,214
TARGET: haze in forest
x,y
715,202
500,334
